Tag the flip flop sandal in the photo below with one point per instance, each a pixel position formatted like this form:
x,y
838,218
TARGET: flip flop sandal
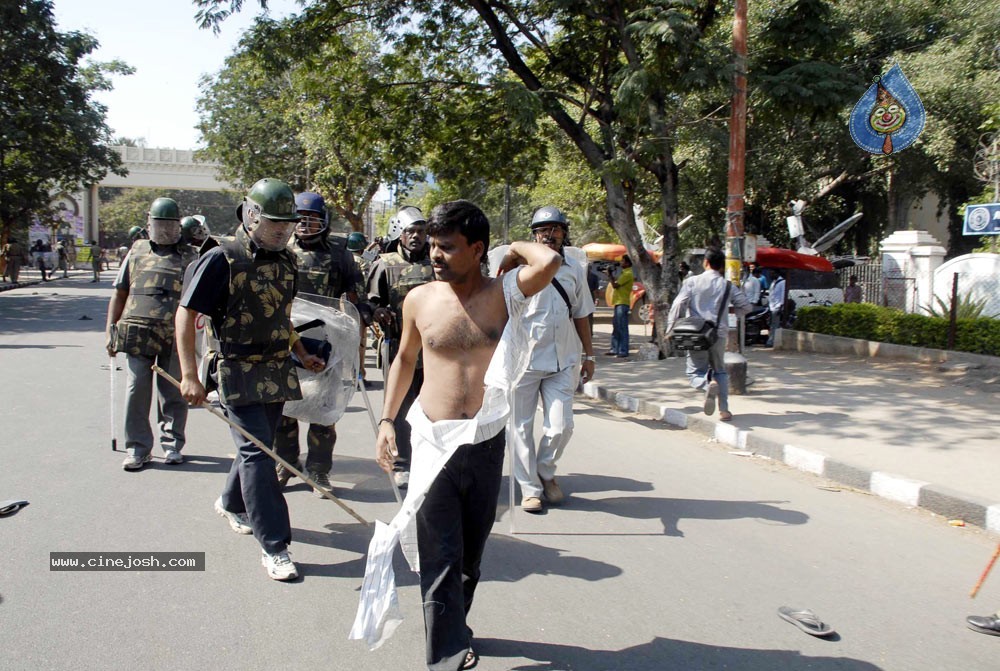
x,y
805,620
10,507
471,659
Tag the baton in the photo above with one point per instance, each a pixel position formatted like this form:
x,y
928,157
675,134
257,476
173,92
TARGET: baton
x,y
267,450
986,572
112,364
371,416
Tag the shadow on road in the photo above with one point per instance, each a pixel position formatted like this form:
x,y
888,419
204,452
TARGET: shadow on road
x,y
660,654
672,511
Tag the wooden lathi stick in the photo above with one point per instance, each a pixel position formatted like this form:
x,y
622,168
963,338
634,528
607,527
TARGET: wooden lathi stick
x,y
986,572
267,450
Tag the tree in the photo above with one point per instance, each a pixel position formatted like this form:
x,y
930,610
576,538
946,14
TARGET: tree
x,y
53,135
121,209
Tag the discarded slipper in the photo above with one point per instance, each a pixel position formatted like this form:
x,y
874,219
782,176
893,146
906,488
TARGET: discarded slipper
x,y
12,506
806,620
471,659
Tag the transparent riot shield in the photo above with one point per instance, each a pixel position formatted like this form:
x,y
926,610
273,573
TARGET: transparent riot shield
x,y
334,321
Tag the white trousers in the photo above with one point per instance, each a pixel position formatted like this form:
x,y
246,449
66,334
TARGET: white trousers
x,y
556,391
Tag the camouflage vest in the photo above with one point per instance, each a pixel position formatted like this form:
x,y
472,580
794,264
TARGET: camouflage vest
x,y
253,361
402,277
321,269
146,327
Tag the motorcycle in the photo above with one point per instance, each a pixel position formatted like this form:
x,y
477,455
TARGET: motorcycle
x,y
754,325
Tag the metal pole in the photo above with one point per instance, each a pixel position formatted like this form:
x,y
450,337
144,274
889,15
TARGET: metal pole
x,y
953,313
112,364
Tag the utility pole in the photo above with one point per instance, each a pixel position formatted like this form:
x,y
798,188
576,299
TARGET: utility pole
x,y
737,364
737,147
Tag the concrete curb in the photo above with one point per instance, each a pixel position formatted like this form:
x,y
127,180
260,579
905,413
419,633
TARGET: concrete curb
x,y
891,486
803,341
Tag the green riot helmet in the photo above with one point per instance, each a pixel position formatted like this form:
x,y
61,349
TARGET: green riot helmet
x,y
268,213
136,233
356,241
194,231
164,208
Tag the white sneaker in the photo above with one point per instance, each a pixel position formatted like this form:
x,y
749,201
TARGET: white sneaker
x,y
135,463
279,566
173,457
401,478
238,522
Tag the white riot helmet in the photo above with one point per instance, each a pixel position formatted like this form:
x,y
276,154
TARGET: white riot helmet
x,y
406,217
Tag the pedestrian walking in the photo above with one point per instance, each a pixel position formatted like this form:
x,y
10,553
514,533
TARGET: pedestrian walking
x,y
621,299
245,286
706,296
557,329
776,304
38,252
394,274
63,258
14,254
95,255
325,268
457,323
140,324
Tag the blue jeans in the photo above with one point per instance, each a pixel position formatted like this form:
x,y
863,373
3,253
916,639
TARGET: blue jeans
x,y
713,359
619,331
252,485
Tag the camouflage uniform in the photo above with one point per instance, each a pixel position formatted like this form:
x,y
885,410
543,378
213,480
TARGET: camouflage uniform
x,y
145,333
326,269
14,254
249,360
95,262
392,277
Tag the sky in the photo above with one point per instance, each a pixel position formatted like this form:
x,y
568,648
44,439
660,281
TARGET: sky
x,y
161,40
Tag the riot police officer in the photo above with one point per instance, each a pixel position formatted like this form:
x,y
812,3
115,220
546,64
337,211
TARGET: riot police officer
x,y
326,268
392,276
356,244
194,231
141,325
245,285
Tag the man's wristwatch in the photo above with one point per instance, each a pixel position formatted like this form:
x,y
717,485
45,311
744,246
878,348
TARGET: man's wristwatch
x,y
587,357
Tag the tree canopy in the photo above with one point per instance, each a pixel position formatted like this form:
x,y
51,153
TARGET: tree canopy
x,y
53,134
630,99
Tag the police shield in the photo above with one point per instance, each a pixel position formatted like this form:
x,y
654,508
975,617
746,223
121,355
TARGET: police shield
x,y
330,328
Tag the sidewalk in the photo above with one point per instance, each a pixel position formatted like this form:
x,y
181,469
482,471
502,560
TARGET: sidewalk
x,y
919,434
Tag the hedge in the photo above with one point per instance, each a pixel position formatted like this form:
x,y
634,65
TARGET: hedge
x,y
871,322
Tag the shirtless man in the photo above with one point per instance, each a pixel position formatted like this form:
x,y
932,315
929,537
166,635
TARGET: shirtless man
x,y
457,321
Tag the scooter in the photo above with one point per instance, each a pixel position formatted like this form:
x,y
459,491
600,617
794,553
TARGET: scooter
x,y
754,324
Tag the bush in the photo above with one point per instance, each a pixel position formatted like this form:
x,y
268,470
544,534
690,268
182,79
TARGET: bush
x,y
871,322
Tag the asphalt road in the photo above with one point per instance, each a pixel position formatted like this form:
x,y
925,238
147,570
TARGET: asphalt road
x,y
670,552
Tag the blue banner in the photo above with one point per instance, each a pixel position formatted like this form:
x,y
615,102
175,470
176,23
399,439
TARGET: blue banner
x,y
982,219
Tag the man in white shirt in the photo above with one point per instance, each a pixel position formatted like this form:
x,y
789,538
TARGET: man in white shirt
x,y
558,327
701,296
751,286
776,302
